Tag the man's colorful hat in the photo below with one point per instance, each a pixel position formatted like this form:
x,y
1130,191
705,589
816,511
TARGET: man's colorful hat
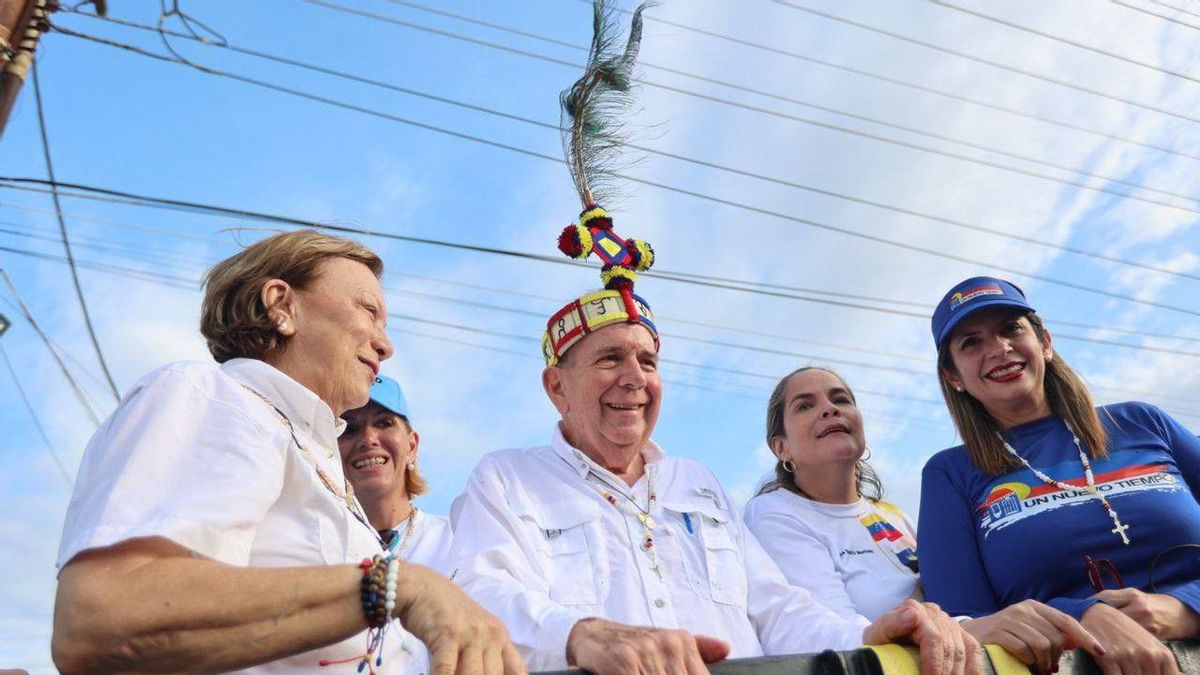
x,y
969,296
387,392
591,135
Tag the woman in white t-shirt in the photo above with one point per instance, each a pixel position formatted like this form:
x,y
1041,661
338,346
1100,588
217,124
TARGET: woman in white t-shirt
x,y
379,455
822,518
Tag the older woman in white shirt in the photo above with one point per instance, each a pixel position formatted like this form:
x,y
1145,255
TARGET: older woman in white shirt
x,y
822,519
212,528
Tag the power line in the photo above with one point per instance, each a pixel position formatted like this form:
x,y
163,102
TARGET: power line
x,y
194,207
1177,9
812,122
1067,41
644,181
896,81
928,308
62,226
37,423
987,62
662,153
169,281
46,340
796,101
1164,17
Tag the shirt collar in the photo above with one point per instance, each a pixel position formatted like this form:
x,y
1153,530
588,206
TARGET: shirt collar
x,y
581,464
305,409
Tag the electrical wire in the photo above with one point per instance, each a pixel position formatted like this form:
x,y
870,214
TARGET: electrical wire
x,y
814,106
811,122
66,241
37,423
928,308
167,280
1177,9
884,78
1164,17
977,59
662,153
194,207
645,181
1067,41
79,393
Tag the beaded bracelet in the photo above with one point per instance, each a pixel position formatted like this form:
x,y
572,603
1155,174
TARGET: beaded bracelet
x,y
378,597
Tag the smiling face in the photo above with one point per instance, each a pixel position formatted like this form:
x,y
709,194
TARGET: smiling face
x,y
999,359
335,330
608,392
821,423
377,447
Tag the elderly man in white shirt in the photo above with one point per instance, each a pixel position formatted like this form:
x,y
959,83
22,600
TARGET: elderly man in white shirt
x,y
598,550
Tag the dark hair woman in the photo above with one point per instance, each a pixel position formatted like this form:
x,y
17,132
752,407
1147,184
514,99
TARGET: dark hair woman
x,y
826,500
1051,499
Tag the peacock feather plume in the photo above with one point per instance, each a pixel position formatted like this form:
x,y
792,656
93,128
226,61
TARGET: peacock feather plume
x,y
592,130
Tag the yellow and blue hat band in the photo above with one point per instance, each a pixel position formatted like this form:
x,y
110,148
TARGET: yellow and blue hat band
x,y
590,313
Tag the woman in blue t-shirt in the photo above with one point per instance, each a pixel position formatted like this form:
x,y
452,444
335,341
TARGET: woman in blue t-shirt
x,y
1092,511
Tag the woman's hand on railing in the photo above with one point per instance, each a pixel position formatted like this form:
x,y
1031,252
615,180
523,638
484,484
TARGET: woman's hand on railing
x,y
1163,616
1034,632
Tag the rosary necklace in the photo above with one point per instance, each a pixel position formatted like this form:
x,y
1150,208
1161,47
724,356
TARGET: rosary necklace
x,y
344,492
1090,488
397,543
643,514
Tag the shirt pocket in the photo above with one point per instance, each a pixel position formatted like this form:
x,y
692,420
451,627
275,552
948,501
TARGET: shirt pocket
x,y
715,567
565,532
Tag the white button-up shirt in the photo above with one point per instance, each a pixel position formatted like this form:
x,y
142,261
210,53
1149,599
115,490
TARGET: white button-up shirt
x,y
194,456
539,545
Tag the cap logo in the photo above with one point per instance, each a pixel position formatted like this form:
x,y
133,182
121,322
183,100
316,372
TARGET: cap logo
x,y
962,297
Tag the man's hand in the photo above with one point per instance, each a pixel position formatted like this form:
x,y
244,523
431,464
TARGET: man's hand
x,y
606,648
946,649
462,638
1034,632
1164,616
1130,649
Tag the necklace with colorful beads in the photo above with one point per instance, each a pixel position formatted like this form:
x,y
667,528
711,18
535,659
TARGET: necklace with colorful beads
x,y
1091,489
397,543
643,514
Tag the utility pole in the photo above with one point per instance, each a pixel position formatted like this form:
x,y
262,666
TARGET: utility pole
x,y
22,22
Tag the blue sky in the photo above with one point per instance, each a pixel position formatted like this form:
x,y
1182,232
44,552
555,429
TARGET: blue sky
x,y
123,121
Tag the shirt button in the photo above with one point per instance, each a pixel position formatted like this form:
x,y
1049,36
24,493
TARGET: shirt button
x,y
660,603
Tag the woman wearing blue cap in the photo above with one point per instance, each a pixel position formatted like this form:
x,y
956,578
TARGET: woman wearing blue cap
x,y
379,456
1088,510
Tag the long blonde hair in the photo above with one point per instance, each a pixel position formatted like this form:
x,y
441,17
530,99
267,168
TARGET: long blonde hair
x,y
1066,394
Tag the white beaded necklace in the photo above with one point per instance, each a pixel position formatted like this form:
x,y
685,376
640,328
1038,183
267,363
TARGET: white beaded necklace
x,y
1090,488
643,515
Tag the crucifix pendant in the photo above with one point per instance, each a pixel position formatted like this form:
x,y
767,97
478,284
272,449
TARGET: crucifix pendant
x,y
1120,530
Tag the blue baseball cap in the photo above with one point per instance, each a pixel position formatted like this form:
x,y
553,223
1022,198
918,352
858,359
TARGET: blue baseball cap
x,y
969,296
387,392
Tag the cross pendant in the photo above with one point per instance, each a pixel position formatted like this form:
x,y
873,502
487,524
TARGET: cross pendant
x,y
1120,530
657,569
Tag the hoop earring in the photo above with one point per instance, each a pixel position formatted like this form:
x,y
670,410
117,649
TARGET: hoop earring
x,y
788,465
866,455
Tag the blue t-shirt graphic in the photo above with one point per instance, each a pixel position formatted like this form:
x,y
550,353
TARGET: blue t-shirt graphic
x,y
987,542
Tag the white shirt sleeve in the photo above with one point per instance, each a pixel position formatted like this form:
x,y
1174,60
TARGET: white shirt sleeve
x,y
787,618
179,428
803,558
501,570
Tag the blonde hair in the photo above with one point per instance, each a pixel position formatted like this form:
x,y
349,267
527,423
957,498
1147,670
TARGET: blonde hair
x,y
233,319
414,483
1066,394
867,482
